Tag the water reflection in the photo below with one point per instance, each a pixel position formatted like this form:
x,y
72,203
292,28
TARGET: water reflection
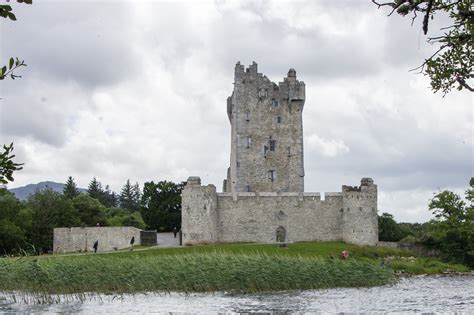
x,y
419,294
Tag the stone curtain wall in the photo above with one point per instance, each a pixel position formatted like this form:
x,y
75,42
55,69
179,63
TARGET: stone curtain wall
x,y
350,215
208,216
255,217
81,239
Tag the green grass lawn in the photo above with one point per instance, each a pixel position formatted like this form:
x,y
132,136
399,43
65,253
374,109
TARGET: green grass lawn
x,y
306,249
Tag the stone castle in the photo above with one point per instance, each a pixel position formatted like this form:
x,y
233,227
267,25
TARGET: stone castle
x,y
263,198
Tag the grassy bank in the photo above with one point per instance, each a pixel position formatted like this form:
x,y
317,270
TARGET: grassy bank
x,y
228,267
186,273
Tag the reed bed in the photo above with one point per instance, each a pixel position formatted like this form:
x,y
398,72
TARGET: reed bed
x,y
187,272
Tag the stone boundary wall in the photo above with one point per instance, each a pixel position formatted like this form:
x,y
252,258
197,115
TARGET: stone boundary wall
x,y
81,239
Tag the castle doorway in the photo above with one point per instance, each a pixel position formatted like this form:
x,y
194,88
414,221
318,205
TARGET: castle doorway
x,y
280,234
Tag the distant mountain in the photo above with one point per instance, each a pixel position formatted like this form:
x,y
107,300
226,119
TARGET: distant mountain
x,y
24,192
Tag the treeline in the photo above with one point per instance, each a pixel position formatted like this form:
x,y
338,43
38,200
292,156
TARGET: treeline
x,y
451,232
28,225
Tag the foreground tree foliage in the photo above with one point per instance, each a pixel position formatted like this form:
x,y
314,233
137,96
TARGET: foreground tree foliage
x,y
8,71
161,205
451,66
452,232
7,166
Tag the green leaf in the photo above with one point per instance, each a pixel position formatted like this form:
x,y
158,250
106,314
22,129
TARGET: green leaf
x,y
6,8
12,61
4,69
12,16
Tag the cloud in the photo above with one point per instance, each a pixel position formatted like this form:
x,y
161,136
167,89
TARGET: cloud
x,y
329,148
41,110
284,35
74,41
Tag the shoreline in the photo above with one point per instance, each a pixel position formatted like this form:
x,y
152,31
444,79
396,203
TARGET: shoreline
x,y
32,298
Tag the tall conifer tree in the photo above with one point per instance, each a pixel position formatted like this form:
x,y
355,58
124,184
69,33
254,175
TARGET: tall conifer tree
x,y
137,196
95,189
130,197
70,189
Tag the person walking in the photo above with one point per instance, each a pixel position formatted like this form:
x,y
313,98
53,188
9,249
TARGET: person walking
x,y
96,245
132,241
175,231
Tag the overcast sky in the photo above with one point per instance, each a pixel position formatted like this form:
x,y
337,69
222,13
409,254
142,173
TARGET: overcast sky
x,y
137,90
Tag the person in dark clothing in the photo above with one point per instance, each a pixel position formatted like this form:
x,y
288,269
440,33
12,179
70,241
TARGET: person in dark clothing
x,y
132,241
96,245
175,231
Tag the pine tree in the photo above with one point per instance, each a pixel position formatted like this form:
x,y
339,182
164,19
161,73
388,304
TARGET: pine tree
x,y
95,189
109,198
70,189
105,196
137,197
126,196
130,197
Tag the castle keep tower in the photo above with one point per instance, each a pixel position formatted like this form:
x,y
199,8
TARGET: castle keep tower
x,y
267,133
263,198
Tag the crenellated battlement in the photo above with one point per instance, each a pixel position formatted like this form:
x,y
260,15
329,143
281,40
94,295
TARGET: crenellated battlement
x,y
312,195
251,71
289,85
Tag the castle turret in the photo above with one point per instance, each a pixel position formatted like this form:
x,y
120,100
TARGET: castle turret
x,y
267,133
199,212
359,217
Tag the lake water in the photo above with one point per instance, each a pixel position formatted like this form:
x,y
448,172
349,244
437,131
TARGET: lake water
x,y
427,294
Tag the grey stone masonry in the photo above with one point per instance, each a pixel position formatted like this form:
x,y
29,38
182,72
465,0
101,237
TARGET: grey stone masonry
x,y
266,133
350,215
81,239
263,197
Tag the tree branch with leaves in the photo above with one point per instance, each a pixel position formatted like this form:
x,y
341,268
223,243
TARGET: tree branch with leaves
x,y
7,71
451,66
13,65
7,166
